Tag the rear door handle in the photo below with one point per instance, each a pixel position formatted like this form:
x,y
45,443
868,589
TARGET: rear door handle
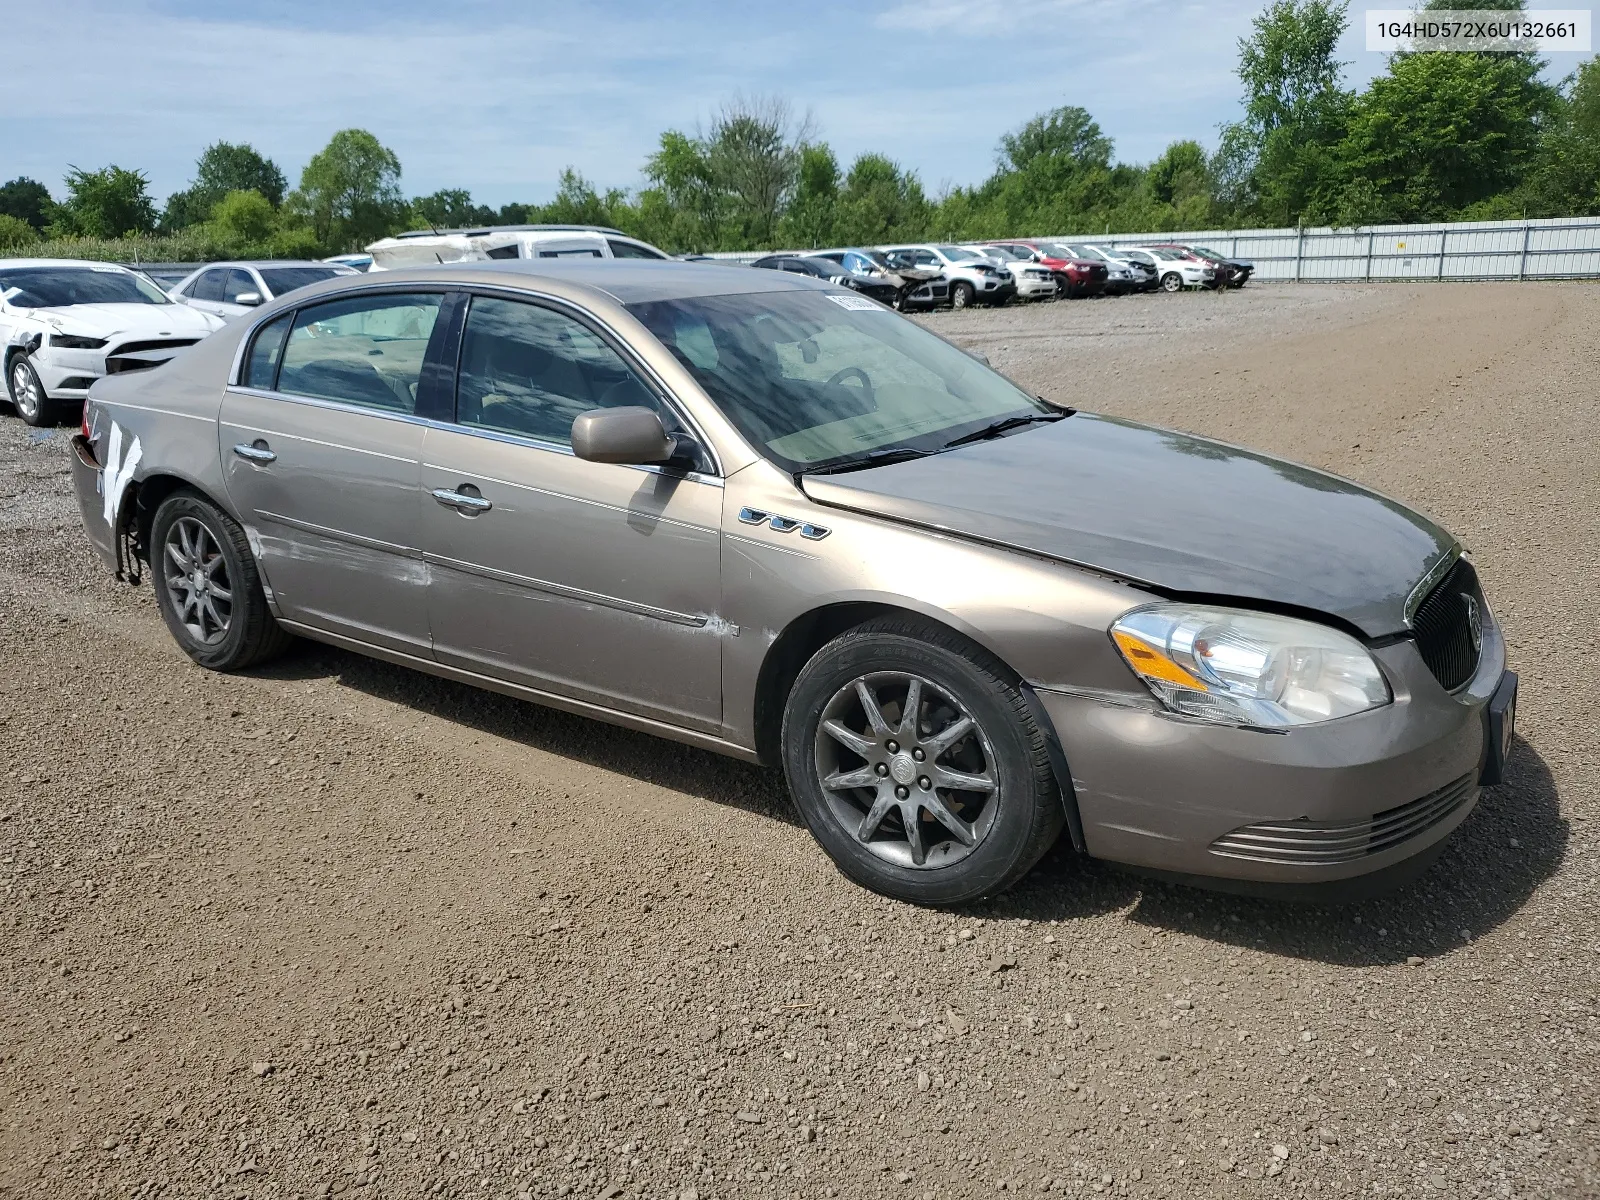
x,y
257,453
462,502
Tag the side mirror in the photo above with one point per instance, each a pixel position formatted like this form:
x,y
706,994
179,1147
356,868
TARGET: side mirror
x,y
979,355
622,435
248,299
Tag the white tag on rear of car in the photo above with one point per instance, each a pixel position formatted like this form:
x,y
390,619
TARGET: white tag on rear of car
x,y
857,303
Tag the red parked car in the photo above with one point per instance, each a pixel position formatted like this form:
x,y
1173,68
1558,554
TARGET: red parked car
x,y
1074,276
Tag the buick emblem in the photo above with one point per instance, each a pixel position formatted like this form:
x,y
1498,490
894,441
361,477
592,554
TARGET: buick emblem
x,y
1474,620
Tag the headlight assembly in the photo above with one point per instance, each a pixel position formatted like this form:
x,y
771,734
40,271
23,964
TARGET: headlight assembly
x,y
71,341
1237,667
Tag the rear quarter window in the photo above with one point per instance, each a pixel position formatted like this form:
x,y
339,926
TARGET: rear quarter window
x,y
266,348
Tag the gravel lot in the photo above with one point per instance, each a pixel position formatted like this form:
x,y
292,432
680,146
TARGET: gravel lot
x,y
334,928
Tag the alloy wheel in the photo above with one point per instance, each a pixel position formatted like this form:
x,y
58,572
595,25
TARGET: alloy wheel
x,y
906,769
197,582
25,390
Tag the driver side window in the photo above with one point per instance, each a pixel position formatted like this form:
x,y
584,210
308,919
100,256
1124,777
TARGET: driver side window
x,y
529,370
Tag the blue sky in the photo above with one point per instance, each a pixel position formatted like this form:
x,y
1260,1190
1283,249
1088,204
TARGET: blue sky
x,y
499,95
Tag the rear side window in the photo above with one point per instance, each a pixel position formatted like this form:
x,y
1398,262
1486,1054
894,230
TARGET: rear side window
x,y
585,253
261,367
511,251
364,350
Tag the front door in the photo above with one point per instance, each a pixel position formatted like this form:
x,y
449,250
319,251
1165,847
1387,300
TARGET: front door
x,y
594,581
321,448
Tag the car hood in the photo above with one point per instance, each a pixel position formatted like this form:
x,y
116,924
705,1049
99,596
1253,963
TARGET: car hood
x,y
148,320
1177,513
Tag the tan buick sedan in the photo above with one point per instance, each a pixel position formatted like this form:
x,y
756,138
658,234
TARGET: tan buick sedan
x,y
767,516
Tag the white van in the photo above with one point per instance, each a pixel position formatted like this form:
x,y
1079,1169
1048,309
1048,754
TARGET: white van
x,y
424,247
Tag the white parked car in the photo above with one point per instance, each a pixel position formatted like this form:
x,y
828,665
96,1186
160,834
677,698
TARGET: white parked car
x,y
1034,282
1174,270
973,277
64,323
231,289
426,247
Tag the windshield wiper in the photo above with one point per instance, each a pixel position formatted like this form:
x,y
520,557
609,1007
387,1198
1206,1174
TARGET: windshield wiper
x,y
872,458
996,428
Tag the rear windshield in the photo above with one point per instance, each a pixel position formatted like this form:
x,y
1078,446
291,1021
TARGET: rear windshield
x,y
286,279
59,287
813,378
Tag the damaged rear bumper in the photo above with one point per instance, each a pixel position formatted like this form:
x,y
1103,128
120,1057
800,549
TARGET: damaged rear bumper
x,y
88,483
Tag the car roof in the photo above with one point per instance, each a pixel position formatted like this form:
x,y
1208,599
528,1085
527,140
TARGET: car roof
x,y
266,262
84,263
626,281
481,230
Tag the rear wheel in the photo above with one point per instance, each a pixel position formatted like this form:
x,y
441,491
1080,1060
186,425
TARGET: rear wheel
x,y
1172,282
28,395
961,294
208,588
914,759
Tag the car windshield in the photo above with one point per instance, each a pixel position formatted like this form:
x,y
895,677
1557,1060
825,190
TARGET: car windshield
x,y
1006,253
958,254
1166,255
1056,250
61,287
817,380
286,279
1204,253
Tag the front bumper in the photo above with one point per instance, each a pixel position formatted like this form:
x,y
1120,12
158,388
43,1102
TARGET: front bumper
x,y
1315,805
68,374
1031,288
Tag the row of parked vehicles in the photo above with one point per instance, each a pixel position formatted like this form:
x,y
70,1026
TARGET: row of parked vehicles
x,y
65,323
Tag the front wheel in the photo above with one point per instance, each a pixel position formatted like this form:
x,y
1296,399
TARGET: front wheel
x,y
914,759
961,295
28,394
1172,282
208,588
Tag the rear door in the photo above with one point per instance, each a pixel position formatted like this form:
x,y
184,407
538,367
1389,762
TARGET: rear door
x,y
321,445
594,581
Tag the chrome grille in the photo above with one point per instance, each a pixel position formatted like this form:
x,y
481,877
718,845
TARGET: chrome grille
x,y
1448,628
1318,843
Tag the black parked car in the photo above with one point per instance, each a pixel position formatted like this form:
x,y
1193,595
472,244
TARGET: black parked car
x,y
1241,268
885,291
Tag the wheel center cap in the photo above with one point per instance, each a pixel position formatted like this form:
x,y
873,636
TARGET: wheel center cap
x,y
903,768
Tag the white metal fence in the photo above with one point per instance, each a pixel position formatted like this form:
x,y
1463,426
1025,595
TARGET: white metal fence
x,y
1559,248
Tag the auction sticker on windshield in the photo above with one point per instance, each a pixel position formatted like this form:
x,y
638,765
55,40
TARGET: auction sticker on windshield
x,y
857,303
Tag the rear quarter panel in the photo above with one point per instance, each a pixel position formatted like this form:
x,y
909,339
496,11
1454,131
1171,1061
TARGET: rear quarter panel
x,y
161,422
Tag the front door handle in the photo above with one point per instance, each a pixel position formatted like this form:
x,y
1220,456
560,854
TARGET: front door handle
x,y
257,453
461,501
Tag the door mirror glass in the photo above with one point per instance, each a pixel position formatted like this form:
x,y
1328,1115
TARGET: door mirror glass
x,y
630,434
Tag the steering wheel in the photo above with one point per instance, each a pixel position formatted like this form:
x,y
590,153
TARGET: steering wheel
x,y
838,378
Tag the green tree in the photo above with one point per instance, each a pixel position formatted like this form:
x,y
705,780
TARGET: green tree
x,y
810,219
1565,177
1278,161
753,152
881,202
111,202
349,193
15,233
27,200
1442,131
451,208
224,167
683,209
1062,135
244,218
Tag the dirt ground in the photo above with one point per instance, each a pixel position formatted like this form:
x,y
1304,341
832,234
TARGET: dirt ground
x,y
335,928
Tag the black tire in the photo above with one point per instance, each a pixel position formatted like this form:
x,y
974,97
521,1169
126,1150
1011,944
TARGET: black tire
x,y
1019,820
1172,282
28,395
251,634
961,294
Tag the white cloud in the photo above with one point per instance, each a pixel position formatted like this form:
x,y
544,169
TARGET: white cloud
x,y
986,17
